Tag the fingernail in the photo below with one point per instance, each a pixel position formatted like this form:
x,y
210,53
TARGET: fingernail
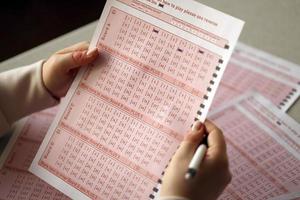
x,y
197,126
92,52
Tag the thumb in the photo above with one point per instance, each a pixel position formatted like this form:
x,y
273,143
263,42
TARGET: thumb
x,y
75,59
191,141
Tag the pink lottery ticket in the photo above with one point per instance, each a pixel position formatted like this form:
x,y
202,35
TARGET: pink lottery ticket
x,y
16,184
263,146
29,134
125,116
15,180
253,69
267,62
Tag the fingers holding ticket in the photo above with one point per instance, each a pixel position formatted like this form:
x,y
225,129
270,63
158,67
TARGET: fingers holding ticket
x,y
213,174
60,69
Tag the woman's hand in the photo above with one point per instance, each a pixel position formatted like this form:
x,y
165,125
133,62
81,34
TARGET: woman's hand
x,y
61,68
212,176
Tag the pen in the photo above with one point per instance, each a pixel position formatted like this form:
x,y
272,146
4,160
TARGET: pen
x,y
197,159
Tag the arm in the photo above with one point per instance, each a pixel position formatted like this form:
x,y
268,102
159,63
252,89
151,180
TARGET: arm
x,y
22,92
41,85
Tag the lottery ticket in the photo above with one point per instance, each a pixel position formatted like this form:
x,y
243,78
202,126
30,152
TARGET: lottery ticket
x,y
124,116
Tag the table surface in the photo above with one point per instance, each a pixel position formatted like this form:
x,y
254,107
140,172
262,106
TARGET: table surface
x,y
271,25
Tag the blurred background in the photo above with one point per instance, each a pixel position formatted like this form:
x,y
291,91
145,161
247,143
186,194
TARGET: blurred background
x,y
271,25
28,23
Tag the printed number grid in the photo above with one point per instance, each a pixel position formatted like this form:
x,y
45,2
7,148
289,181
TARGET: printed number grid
x,y
15,180
143,92
115,139
159,49
255,157
16,184
98,174
29,140
237,80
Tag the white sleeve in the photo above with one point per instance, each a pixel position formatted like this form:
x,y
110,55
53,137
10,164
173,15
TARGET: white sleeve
x,y
22,92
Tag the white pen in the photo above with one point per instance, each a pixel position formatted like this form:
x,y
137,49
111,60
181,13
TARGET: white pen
x,y
197,159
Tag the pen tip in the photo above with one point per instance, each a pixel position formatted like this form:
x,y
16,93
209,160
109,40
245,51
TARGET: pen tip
x,y
190,173
188,176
